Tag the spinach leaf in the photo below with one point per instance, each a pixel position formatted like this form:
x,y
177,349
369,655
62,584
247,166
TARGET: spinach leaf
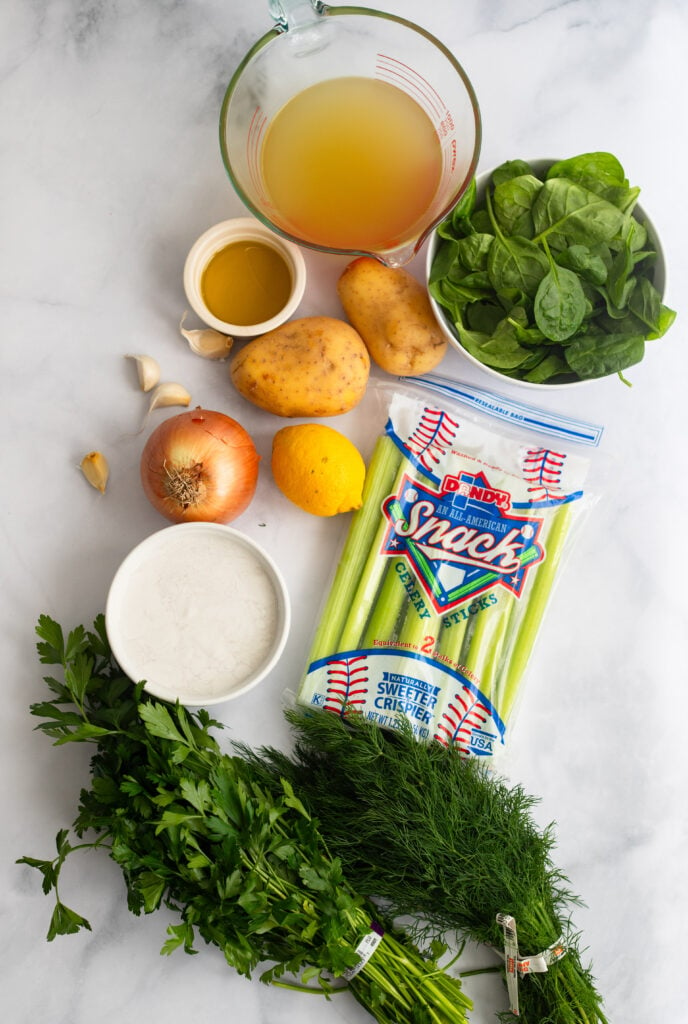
x,y
513,203
523,332
516,263
483,316
563,207
553,365
444,260
587,263
471,252
595,171
560,304
508,170
597,355
501,350
639,237
461,214
624,198
454,295
620,281
480,222
646,304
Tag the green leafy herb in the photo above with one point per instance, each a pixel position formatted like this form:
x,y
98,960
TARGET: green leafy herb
x,y
443,840
238,856
569,252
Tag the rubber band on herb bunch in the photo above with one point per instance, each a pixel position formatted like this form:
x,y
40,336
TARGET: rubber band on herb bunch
x,y
519,965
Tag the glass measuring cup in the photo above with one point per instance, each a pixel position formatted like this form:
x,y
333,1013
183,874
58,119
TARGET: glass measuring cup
x,y
313,44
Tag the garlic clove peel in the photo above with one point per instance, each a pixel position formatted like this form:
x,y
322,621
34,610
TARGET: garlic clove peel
x,y
208,343
148,371
95,468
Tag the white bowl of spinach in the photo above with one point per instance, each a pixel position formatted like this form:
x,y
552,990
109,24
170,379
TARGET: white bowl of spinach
x,y
549,272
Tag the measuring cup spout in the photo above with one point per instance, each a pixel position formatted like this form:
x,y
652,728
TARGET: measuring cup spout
x,y
295,13
401,256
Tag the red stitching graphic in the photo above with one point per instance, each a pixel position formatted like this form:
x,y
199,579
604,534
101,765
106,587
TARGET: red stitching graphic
x,y
346,679
433,437
543,470
461,718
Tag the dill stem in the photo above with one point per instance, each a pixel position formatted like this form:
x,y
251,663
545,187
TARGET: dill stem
x,y
567,971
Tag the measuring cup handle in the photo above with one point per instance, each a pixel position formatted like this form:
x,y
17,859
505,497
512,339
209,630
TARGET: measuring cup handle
x,y
295,13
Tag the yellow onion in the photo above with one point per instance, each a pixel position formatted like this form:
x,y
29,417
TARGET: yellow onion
x,y
200,466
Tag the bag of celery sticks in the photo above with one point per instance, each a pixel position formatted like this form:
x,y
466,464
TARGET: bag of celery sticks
x,y
448,567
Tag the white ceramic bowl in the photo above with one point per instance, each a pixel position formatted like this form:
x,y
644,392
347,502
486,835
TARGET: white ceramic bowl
x,y
539,167
199,611
241,229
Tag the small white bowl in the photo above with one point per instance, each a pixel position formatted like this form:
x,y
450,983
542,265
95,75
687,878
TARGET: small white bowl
x,y
539,167
241,229
199,611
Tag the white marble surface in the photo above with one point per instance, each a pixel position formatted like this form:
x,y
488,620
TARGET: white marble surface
x,y
109,169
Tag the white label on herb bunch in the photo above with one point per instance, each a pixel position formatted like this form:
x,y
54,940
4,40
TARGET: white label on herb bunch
x,y
365,950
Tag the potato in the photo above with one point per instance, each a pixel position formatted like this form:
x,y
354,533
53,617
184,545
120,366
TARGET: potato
x,y
391,311
313,366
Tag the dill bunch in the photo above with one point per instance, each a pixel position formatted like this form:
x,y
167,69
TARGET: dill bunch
x,y
439,839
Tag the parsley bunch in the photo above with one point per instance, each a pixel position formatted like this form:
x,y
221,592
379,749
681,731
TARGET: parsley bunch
x,y
239,858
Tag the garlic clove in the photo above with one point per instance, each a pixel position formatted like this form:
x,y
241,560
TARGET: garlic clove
x,y
148,371
207,343
168,393
95,468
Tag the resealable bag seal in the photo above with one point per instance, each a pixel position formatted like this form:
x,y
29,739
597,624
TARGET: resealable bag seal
x,y
517,966
469,509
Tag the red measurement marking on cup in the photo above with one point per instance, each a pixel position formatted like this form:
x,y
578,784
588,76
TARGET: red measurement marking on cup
x,y
253,145
396,72
407,78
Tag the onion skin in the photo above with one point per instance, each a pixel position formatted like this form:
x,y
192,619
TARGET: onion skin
x,y
200,466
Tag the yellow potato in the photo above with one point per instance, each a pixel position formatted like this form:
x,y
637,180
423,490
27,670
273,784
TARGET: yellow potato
x,y
391,311
313,366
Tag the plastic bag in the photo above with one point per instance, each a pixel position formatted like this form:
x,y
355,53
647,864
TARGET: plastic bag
x,y
448,567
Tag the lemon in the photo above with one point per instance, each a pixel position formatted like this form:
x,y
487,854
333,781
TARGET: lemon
x,y
318,469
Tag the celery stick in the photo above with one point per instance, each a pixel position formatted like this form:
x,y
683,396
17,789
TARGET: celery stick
x,y
415,629
363,598
418,630
452,638
379,479
485,642
387,608
532,614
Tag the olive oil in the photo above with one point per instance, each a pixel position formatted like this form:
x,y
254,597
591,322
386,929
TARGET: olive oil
x,y
352,163
247,282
